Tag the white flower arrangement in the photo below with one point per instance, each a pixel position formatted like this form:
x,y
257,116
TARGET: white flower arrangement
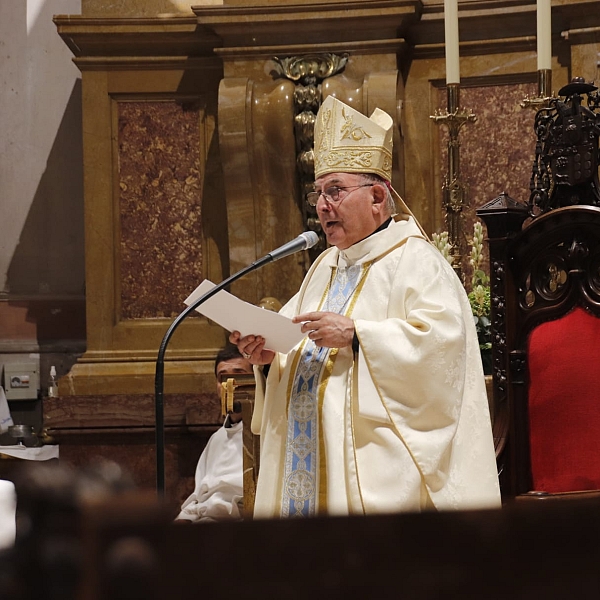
x,y
442,243
479,296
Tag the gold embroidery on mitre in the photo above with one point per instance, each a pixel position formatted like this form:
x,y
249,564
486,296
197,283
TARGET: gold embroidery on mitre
x,y
347,141
349,158
348,130
326,123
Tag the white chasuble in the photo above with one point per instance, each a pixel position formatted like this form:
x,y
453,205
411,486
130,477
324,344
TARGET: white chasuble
x,y
402,425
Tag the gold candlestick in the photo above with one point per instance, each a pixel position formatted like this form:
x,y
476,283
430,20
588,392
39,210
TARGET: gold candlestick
x,y
544,91
454,191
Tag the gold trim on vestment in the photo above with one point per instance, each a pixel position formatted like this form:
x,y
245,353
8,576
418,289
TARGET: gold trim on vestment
x,y
327,370
353,392
322,494
350,309
366,266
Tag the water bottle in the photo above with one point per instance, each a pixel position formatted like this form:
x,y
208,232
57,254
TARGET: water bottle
x,y
52,384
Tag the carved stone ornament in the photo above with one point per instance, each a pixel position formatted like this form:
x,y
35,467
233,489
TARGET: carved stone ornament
x,y
307,72
310,68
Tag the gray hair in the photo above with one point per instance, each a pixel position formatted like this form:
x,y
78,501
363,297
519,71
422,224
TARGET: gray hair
x,y
389,200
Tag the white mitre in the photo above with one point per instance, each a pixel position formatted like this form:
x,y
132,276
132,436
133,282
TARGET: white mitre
x,y
346,141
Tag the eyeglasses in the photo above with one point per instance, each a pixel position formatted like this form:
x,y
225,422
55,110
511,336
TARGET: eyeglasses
x,y
332,194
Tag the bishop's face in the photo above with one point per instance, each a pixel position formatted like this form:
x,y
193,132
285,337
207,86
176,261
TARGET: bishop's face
x,y
358,211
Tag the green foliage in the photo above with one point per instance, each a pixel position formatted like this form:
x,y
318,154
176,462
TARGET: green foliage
x,y
480,307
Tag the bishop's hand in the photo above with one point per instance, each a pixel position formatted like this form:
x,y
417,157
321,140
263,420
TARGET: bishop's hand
x,y
327,329
252,348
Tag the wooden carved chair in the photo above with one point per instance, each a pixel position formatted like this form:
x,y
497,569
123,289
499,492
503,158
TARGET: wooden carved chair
x,y
545,289
237,394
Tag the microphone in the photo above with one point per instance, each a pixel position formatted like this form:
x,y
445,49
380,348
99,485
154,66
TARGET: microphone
x,y
304,241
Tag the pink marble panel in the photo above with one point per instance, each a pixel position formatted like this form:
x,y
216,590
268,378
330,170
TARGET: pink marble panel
x,y
160,181
497,151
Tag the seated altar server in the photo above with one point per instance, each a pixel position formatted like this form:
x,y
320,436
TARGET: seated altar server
x,y
219,474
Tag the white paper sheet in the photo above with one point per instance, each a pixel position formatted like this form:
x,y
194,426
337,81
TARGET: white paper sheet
x,y
26,453
234,314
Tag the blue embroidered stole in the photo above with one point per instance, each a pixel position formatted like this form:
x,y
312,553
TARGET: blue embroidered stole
x,y
302,453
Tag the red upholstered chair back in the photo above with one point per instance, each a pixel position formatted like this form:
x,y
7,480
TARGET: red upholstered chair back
x,y
564,403
545,299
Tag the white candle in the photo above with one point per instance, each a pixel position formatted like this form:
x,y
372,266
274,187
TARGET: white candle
x,y
8,507
544,34
451,31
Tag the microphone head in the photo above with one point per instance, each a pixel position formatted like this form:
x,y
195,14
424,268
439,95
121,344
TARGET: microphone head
x,y
311,238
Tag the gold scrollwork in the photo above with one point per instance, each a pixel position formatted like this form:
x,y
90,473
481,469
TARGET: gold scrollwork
x,y
556,277
318,66
529,294
529,298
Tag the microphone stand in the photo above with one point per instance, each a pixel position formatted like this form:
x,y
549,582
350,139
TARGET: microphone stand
x,y
160,366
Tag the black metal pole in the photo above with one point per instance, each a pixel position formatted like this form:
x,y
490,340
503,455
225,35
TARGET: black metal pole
x,y
160,367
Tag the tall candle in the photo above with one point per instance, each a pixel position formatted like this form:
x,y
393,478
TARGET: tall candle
x,y
544,34
451,31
